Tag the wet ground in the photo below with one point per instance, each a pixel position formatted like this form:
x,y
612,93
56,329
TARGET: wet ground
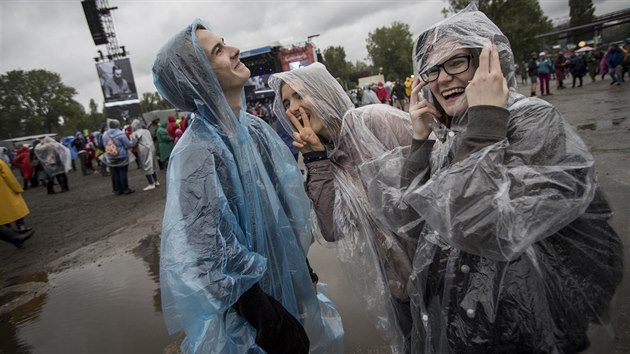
x,y
88,280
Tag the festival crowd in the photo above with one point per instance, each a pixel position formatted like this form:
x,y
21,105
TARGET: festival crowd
x,y
468,216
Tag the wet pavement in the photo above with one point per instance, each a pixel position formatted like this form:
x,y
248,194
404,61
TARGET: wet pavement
x,y
91,285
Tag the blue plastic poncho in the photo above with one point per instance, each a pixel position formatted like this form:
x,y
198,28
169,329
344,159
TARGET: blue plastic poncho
x,y
67,142
236,214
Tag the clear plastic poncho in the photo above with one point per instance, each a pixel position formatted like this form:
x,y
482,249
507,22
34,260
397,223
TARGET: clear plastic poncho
x,y
54,157
236,214
142,138
377,261
516,254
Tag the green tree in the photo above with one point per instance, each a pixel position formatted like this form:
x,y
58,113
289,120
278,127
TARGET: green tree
x,y
74,119
152,101
390,48
520,20
31,102
94,114
91,120
581,12
335,61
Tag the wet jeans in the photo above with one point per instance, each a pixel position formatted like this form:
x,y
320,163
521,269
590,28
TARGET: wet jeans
x,y
119,178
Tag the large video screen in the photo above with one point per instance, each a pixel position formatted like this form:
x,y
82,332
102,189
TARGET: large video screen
x,y
257,87
125,113
296,57
299,64
259,83
117,81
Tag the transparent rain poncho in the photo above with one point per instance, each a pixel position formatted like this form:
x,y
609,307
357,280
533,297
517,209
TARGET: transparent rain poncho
x,y
377,261
236,214
54,157
142,138
516,254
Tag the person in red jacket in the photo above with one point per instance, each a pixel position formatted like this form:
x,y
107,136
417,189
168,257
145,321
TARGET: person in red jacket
x,y
171,126
382,93
23,160
182,123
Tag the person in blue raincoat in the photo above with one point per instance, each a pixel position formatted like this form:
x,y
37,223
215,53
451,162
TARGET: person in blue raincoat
x,y
236,230
67,142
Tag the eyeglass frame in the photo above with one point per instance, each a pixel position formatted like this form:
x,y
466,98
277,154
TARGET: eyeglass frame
x,y
440,67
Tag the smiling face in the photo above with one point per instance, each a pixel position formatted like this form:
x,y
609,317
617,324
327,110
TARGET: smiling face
x,y
292,101
224,59
448,89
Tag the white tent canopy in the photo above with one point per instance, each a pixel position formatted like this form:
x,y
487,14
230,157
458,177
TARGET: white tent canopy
x,y
584,49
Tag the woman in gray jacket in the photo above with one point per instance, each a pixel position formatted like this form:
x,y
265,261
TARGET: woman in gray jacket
x,y
337,141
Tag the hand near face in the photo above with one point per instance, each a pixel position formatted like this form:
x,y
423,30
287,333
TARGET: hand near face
x,y
305,139
488,86
421,112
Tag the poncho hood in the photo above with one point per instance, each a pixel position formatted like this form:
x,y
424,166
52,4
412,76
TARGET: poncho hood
x,y
183,75
469,28
314,83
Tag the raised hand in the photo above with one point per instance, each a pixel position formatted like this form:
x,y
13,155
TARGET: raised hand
x,y
421,111
305,139
488,86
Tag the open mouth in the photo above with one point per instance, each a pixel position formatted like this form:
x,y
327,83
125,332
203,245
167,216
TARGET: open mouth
x,y
453,93
299,118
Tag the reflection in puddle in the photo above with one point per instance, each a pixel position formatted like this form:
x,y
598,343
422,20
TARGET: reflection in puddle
x,y
149,250
360,333
107,307
604,124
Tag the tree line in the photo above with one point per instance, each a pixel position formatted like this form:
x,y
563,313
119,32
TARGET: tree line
x,y
37,101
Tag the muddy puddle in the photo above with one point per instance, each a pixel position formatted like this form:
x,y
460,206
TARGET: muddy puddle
x,y
604,124
112,306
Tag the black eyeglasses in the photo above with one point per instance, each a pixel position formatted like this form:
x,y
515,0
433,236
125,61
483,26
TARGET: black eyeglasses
x,y
453,66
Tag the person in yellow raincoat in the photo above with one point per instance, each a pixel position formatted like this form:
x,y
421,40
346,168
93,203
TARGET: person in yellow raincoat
x,y
12,209
408,82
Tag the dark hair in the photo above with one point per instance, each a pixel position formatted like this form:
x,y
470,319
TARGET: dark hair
x,y
114,68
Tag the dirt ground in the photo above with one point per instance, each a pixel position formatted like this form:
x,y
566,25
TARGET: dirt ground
x,y
66,222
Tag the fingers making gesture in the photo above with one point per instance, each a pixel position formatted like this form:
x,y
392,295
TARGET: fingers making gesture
x,y
488,86
305,139
421,111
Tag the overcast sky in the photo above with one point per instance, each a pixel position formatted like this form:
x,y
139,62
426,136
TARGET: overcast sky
x,y
53,34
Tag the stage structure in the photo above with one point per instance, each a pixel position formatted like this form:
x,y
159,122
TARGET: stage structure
x,y
113,67
265,61
262,62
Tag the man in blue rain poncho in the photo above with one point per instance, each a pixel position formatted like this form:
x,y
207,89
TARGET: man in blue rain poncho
x,y
516,254
236,228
